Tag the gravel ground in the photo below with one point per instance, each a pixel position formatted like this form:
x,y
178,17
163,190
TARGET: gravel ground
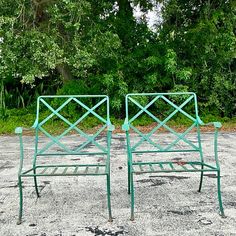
x,y
165,204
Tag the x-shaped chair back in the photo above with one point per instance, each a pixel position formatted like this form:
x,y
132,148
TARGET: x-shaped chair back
x,y
176,103
79,101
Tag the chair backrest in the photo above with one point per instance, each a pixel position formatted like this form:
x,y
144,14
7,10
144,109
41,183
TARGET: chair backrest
x,y
164,109
72,113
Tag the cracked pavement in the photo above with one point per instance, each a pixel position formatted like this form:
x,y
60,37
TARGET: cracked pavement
x,y
165,204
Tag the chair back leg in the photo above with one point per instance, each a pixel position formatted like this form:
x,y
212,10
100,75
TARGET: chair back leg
x,y
21,201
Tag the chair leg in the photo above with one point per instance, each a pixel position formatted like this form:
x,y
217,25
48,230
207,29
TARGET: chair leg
x,y
201,179
128,178
219,195
21,201
109,197
132,196
36,185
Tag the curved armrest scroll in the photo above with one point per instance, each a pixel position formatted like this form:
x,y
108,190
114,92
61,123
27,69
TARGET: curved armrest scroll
x,y
125,126
34,126
19,131
216,124
110,127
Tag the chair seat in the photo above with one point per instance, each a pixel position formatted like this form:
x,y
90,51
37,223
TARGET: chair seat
x,y
179,166
66,170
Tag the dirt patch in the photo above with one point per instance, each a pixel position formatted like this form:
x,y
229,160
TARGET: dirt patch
x,y
154,182
97,231
143,129
179,128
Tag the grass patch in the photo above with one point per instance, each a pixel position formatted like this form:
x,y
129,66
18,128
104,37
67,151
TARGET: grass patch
x,y
26,117
15,118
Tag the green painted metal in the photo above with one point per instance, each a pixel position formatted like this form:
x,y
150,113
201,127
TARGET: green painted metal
x,y
65,169
167,166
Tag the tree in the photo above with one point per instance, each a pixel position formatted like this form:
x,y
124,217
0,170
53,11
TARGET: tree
x,y
202,37
99,47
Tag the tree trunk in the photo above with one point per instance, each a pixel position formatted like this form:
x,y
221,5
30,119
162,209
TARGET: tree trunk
x,y
40,18
65,72
125,23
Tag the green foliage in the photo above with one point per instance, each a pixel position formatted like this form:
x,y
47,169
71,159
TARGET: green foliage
x,y
16,117
25,118
202,38
98,47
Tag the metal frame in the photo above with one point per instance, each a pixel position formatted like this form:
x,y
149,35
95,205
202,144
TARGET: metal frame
x,y
68,170
167,167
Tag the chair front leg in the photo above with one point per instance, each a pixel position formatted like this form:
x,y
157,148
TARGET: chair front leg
x,y
109,197
132,196
36,185
128,178
219,195
21,200
201,179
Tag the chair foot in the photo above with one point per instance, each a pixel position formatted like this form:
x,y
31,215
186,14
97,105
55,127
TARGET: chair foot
x,y
132,218
221,208
21,200
110,219
223,215
19,222
201,179
36,185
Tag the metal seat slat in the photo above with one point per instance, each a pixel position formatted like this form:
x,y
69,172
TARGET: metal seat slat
x,y
184,167
86,170
54,171
140,167
161,166
65,170
151,167
75,170
146,167
44,170
171,166
194,167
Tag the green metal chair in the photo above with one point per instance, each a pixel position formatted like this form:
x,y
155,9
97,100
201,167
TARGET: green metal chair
x,y
50,108
161,108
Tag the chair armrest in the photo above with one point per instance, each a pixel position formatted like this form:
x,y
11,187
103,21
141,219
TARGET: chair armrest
x,y
216,124
125,126
110,127
35,124
19,131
